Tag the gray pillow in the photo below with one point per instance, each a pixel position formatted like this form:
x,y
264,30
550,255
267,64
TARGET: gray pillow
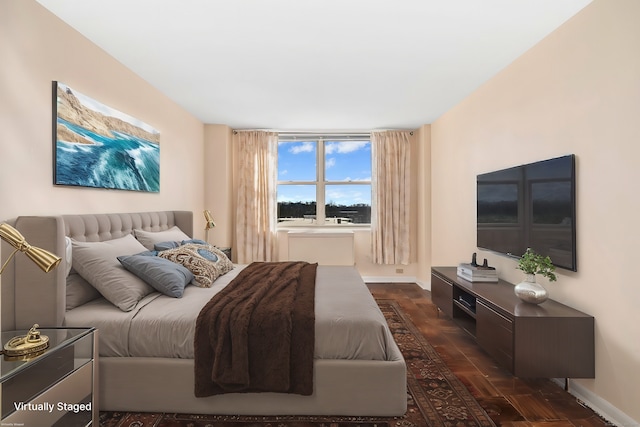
x,y
165,276
79,291
150,238
97,262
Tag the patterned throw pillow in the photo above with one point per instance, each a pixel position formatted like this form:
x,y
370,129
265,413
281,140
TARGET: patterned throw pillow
x,y
205,261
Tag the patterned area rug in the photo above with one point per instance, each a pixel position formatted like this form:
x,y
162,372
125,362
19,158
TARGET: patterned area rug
x,y
435,396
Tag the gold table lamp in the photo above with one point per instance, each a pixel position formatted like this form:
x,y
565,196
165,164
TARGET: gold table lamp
x,y
33,343
209,225
43,258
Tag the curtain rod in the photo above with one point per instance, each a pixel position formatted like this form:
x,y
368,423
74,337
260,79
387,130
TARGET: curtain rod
x,y
345,134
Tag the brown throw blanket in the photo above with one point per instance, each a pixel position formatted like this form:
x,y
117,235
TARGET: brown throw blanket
x,y
258,333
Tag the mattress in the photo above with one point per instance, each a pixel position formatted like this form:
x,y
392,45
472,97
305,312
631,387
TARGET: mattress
x,y
349,324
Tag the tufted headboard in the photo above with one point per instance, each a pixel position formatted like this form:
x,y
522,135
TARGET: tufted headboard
x,y
31,296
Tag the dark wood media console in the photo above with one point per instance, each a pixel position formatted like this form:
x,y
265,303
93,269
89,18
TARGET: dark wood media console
x,y
550,340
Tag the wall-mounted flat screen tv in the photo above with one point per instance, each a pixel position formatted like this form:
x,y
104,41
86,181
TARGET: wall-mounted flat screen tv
x,y
530,206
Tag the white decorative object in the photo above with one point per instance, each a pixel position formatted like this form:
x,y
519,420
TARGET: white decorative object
x,y
530,291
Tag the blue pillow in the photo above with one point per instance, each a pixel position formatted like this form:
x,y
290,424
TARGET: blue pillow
x,y
163,275
148,253
163,246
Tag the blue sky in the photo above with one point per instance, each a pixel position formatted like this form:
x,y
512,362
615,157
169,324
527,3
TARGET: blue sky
x,y
346,161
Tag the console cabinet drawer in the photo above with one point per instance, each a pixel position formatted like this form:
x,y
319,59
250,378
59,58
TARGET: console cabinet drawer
x,y
494,334
442,295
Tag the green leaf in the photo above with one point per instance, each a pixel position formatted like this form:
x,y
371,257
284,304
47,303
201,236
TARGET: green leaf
x,y
534,263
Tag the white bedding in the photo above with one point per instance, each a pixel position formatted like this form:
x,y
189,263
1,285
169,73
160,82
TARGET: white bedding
x,y
349,324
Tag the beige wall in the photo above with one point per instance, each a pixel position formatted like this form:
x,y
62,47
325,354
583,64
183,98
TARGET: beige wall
x,y
578,91
423,184
37,48
218,192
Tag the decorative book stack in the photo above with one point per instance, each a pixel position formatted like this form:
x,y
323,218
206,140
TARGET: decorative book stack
x,y
477,273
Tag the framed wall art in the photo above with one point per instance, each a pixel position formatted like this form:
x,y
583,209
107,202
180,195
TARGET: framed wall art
x,y
101,147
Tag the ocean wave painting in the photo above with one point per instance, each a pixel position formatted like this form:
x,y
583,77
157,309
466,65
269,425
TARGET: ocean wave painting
x,y
98,146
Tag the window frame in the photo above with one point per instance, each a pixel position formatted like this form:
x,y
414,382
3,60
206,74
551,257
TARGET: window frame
x,y
321,182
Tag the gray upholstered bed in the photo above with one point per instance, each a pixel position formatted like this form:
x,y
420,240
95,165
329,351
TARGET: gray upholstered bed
x,y
351,379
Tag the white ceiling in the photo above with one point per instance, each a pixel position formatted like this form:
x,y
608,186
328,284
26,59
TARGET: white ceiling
x,y
311,64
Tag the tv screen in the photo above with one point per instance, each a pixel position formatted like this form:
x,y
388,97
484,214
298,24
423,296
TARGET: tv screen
x,y
530,206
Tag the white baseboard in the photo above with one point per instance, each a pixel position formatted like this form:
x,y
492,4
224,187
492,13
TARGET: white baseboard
x,y
389,279
600,406
397,279
424,285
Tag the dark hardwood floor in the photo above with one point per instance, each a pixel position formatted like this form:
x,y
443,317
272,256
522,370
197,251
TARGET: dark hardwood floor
x,y
508,400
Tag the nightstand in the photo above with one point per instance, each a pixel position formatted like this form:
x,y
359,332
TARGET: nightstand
x,y
225,250
58,387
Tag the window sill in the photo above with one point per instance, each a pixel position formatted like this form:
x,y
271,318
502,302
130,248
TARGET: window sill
x,y
324,228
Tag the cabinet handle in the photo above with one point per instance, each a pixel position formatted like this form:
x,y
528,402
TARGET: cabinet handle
x,y
482,303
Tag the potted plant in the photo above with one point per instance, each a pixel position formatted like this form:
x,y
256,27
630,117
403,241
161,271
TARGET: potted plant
x,y
532,263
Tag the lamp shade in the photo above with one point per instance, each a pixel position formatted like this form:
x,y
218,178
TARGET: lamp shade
x,y
209,219
44,259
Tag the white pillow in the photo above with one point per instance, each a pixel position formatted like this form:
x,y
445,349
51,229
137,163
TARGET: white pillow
x,y
97,262
68,255
149,238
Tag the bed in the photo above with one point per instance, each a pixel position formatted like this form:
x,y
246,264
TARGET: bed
x,y
351,381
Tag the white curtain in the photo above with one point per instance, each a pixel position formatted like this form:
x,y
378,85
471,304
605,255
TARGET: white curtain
x,y
255,154
391,197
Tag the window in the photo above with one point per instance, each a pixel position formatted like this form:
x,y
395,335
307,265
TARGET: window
x,y
324,182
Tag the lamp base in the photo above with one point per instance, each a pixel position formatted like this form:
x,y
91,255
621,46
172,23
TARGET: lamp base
x,y
26,346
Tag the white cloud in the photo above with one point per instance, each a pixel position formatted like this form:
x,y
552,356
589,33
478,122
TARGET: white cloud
x,y
337,195
331,162
305,147
347,196
284,172
344,147
349,179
